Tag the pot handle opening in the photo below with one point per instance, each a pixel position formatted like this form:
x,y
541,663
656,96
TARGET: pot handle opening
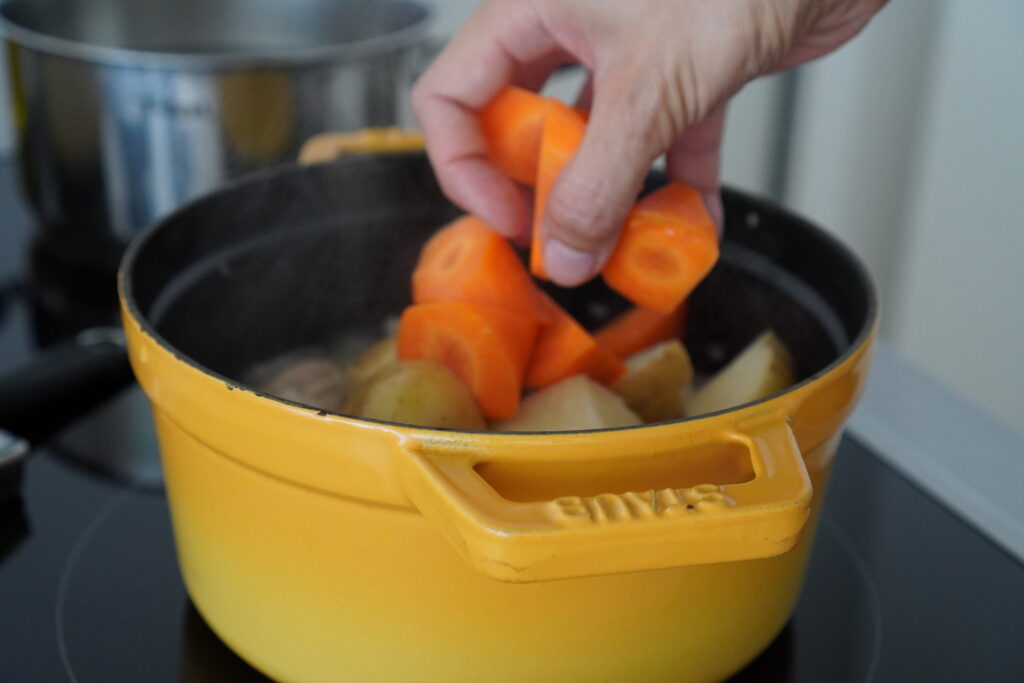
x,y
518,537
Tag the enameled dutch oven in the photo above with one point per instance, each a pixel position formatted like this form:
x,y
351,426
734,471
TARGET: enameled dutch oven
x,y
322,547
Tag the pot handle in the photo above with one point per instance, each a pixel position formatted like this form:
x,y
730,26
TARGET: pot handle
x,y
329,146
63,382
580,535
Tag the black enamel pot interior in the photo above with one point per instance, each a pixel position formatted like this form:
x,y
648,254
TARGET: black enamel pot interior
x,y
302,255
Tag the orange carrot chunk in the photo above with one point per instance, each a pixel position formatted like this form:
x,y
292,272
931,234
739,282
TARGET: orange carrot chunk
x,y
640,328
486,347
561,136
676,201
564,349
467,261
512,123
667,246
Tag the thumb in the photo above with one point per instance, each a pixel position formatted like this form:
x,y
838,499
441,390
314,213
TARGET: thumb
x,y
589,202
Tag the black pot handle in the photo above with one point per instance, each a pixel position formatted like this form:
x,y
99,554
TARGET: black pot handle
x,y
63,382
12,457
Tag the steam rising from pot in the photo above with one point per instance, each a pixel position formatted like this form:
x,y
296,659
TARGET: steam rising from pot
x,y
309,259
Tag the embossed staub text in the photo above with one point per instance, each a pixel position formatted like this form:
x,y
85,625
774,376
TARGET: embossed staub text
x,y
639,505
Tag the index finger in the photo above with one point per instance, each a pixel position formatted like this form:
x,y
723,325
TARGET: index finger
x,y
501,44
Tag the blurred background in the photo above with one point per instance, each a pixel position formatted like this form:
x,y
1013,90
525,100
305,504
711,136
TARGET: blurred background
x,y
906,144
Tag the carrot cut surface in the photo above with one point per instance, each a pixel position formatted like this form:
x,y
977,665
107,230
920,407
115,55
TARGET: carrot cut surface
x,y
640,328
467,261
512,124
562,135
676,201
564,349
667,246
486,347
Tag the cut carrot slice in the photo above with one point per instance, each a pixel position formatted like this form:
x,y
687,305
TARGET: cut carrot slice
x,y
512,124
607,369
561,137
640,328
657,263
467,261
667,246
677,201
564,349
486,347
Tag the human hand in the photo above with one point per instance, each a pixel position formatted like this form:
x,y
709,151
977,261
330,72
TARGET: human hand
x,y
661,73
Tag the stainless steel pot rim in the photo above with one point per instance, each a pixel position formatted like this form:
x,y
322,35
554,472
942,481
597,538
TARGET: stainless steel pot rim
x,y
227,61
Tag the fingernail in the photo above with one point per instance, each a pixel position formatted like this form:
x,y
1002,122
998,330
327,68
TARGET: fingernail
x,y
566,265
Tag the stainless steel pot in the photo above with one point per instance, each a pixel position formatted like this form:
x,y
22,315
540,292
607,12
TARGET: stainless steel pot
x,y
125,108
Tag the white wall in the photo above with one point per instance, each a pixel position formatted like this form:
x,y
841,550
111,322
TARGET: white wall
x,y
857,123
960,311
909,146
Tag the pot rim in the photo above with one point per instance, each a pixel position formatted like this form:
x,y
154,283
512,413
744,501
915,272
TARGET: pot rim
x,y
125,291
18,34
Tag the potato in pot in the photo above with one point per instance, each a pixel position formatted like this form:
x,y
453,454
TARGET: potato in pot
x,y
656,380
576,402
380,356
417,392
315,382
761,369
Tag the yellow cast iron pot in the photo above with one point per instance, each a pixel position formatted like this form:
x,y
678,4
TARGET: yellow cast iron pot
x,y
324,548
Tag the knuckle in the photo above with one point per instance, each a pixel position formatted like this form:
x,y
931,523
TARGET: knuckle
x,y
771,28
649,105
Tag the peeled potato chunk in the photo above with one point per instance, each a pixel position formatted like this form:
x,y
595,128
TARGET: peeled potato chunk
x,y
417,392
761,369
383,354
655,381
576,402
315,382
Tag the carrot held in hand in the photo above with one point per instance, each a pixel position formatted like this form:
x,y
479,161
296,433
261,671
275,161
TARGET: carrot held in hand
x,y
669,242
564,349
486,347
640,328
531,138
667,246
512,123
561,137
467,261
